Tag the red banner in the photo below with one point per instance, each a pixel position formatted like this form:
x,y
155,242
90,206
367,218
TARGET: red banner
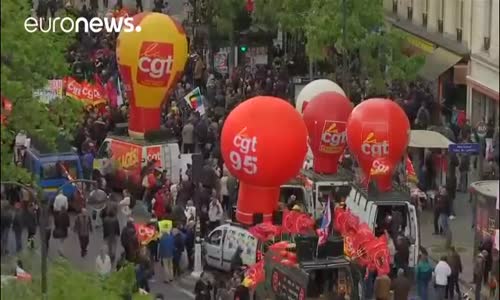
x,y
90,93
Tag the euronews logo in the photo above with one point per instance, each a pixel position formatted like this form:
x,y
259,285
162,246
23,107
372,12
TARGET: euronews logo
x,y
81,24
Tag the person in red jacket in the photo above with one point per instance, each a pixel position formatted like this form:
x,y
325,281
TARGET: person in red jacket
x,y
159,204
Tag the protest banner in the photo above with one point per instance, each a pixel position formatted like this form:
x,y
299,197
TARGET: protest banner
x,y
90,93
52,90
195,101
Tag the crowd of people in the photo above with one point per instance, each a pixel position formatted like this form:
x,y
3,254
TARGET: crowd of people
x,y
212,196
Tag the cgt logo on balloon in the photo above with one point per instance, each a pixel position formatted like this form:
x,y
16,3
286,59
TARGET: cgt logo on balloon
x,y
371,147
332,140
244,158
155,64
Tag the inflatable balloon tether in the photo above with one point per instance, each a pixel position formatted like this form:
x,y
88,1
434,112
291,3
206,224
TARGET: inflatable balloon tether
x,y
324,165
256,199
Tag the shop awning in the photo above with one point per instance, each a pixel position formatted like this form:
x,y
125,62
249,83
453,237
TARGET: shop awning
x,y
428,139
437,62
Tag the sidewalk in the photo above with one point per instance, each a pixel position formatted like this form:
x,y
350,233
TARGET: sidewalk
x,y
462,239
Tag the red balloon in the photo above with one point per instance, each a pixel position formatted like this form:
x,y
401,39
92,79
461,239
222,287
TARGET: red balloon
x,y
263,143
326,117
378,131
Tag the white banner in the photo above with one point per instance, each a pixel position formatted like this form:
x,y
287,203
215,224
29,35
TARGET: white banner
x,y
52,91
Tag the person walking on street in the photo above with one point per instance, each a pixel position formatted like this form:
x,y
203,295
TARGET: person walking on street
x,y
111,233
6,224
179,247
441,272
103,262
61,225
479,266
188,138
424,276
455,263
215,213
83,228
167,249
60,202
30,220
202,288
382,287
18,225
129,241
401,286
124,206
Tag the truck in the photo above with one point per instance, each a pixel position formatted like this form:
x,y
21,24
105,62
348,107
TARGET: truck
x,y
310,279
121,160
312,189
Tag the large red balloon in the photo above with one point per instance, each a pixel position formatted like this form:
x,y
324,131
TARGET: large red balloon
x,y
263,143
378,131
326,117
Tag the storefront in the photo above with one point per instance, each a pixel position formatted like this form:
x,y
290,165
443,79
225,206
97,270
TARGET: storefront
x,y
485,218
483,95
445,66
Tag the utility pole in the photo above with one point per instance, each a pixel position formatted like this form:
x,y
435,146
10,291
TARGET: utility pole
x,y
344,42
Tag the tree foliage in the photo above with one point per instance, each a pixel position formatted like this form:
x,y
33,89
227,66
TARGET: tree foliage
x,y
28,60
228,17
66,282
321,22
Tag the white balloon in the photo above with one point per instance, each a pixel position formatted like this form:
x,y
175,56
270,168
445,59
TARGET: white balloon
x,y
314,88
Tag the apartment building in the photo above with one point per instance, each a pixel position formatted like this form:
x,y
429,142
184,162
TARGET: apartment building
x,y
440,30
483,77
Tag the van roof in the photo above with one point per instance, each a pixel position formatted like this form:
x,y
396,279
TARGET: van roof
x,y
53,156
341,175
128,139
398,193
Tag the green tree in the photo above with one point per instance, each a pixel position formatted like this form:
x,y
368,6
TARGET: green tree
x,y
28,60
321,22
67,282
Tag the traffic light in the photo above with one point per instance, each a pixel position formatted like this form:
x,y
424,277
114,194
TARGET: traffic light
x,y
243,48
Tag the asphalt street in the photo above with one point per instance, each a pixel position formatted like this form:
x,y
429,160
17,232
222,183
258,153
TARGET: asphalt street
x,y
182,289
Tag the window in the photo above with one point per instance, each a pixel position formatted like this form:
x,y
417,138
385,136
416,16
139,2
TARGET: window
x,y
231,236
215,238
488,16
57,170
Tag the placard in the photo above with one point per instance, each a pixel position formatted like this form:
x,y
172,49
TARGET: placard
x,y
285,287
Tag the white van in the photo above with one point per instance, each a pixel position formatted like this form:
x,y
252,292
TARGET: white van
x,y
221,244
373,208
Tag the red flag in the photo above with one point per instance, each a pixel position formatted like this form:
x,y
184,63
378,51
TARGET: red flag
x,y
112,93
410,171
264,231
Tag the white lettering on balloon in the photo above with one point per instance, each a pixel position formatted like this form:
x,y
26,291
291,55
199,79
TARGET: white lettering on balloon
x,y
244,157
156,67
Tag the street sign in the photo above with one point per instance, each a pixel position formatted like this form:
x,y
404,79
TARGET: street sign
x,y
481,129
466,148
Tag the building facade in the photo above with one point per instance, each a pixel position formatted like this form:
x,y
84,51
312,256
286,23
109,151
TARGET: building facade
x,y
440,30
483,77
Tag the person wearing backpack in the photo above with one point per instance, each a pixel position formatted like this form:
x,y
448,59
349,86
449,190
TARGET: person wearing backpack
x,y
424,276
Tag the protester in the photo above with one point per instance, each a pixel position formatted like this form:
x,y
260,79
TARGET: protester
x,y
111,233
61,225
83,228
167,248
442,271
455,263
423,276
215,213
401,286
60,202
202,288
103,262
